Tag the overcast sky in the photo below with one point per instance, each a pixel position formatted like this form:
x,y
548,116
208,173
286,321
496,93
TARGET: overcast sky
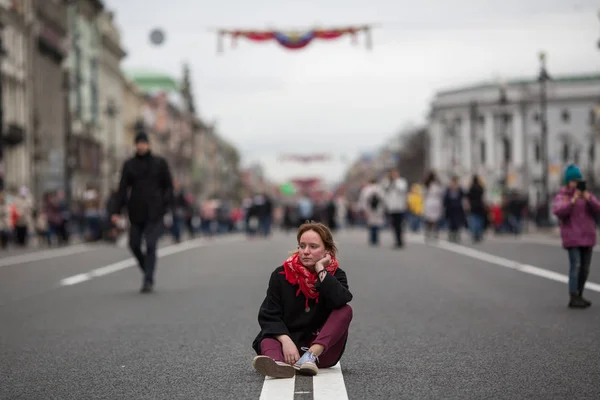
x,y
339,98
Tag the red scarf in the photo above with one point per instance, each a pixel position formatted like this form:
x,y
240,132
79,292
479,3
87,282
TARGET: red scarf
x,y
296,273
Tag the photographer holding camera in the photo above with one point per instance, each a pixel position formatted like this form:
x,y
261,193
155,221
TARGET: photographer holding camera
x,y
576,209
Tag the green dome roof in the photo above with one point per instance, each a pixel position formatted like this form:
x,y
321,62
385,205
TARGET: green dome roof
x,y
150,80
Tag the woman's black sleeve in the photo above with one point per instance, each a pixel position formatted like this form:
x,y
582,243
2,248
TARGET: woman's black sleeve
x,y
270,314
333,290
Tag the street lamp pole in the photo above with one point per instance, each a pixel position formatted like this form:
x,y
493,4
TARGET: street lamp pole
x,y
475,156
599,18
543,79
504,134
111,112
2,163
69,159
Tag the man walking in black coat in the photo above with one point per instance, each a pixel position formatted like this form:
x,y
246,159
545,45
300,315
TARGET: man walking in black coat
x,y
148,180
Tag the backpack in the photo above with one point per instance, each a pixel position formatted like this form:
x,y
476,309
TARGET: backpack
x,y
374,201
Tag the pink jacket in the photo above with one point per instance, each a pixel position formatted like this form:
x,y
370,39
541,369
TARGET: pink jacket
x,y
576,221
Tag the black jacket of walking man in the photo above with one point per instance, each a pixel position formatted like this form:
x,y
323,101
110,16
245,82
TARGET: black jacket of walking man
x,y
147,180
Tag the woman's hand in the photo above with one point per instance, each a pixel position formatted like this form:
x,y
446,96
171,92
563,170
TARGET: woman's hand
x,y
323,263
290,351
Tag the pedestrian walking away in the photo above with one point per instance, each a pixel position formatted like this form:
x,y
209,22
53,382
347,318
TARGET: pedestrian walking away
x,y
305,310
148,180
576,209
396,194
372,203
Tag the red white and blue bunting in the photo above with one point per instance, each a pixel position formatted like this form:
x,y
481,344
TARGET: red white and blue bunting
x,y
294,40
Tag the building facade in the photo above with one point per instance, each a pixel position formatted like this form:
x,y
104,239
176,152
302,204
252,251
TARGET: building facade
x,y
15,168
110,115
49,97
134,102
495,131
84,140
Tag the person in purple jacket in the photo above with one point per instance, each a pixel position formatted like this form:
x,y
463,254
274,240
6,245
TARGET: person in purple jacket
x,y
576,208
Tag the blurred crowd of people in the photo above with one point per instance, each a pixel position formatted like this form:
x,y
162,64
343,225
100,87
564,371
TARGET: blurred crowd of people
x,y
432,207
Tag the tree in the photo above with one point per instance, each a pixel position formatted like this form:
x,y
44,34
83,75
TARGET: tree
x,y
412,161
187,91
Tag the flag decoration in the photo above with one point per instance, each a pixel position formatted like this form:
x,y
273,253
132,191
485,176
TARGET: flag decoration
x,y
294,40
305,158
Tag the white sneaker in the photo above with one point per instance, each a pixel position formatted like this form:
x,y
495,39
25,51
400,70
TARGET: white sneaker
x,y
269,367
307,364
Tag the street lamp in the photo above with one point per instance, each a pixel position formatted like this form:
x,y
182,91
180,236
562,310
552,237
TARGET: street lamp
x,y
473,117
543,78
503,101
111,112
594,132
70,160
2,54
599,18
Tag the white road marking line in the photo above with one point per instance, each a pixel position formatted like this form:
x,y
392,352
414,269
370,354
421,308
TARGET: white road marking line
x,y
131,262
507,263
532,239
278,389
44,255
329,384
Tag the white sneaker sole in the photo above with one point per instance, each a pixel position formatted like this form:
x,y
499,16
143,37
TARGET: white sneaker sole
x,y
268,367
309,369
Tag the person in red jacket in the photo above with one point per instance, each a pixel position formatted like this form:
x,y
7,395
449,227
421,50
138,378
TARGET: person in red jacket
x,y
305,309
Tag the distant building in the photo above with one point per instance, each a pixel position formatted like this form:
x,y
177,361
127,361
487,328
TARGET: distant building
x,y
85,143
48,97
111,116
15,168
472,131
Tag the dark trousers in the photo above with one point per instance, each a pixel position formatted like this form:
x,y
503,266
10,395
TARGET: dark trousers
x,y
21,235
580,259
397,219
150,231
332,336
374,235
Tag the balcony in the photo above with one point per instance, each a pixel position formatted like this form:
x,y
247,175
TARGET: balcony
x,y
53,13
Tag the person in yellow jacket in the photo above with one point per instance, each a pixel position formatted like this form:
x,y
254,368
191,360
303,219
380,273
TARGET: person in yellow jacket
x,y
415,207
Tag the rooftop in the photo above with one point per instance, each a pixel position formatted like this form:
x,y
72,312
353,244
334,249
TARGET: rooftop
x,y
589,77
153,80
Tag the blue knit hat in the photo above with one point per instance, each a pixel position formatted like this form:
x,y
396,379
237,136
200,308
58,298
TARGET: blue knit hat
x,y
572,173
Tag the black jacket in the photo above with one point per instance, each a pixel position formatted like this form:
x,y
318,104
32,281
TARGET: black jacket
x,y
151,188
282,312
476,203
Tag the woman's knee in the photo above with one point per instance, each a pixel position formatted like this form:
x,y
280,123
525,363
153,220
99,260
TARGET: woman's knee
x,y
268,344
345,312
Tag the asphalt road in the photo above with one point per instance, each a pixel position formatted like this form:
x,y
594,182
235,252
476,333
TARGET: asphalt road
x,y
430,322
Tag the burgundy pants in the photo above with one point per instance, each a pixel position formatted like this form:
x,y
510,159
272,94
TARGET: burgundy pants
x,y
332,337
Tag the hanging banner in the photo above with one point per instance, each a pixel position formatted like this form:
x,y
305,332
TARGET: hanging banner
x,y
305,158
294,40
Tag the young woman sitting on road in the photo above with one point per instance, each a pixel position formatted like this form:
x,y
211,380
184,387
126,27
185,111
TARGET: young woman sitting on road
x,y
305,309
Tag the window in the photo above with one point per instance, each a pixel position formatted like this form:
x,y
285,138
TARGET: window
x,y
565,116
537,151
592,152
576,156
